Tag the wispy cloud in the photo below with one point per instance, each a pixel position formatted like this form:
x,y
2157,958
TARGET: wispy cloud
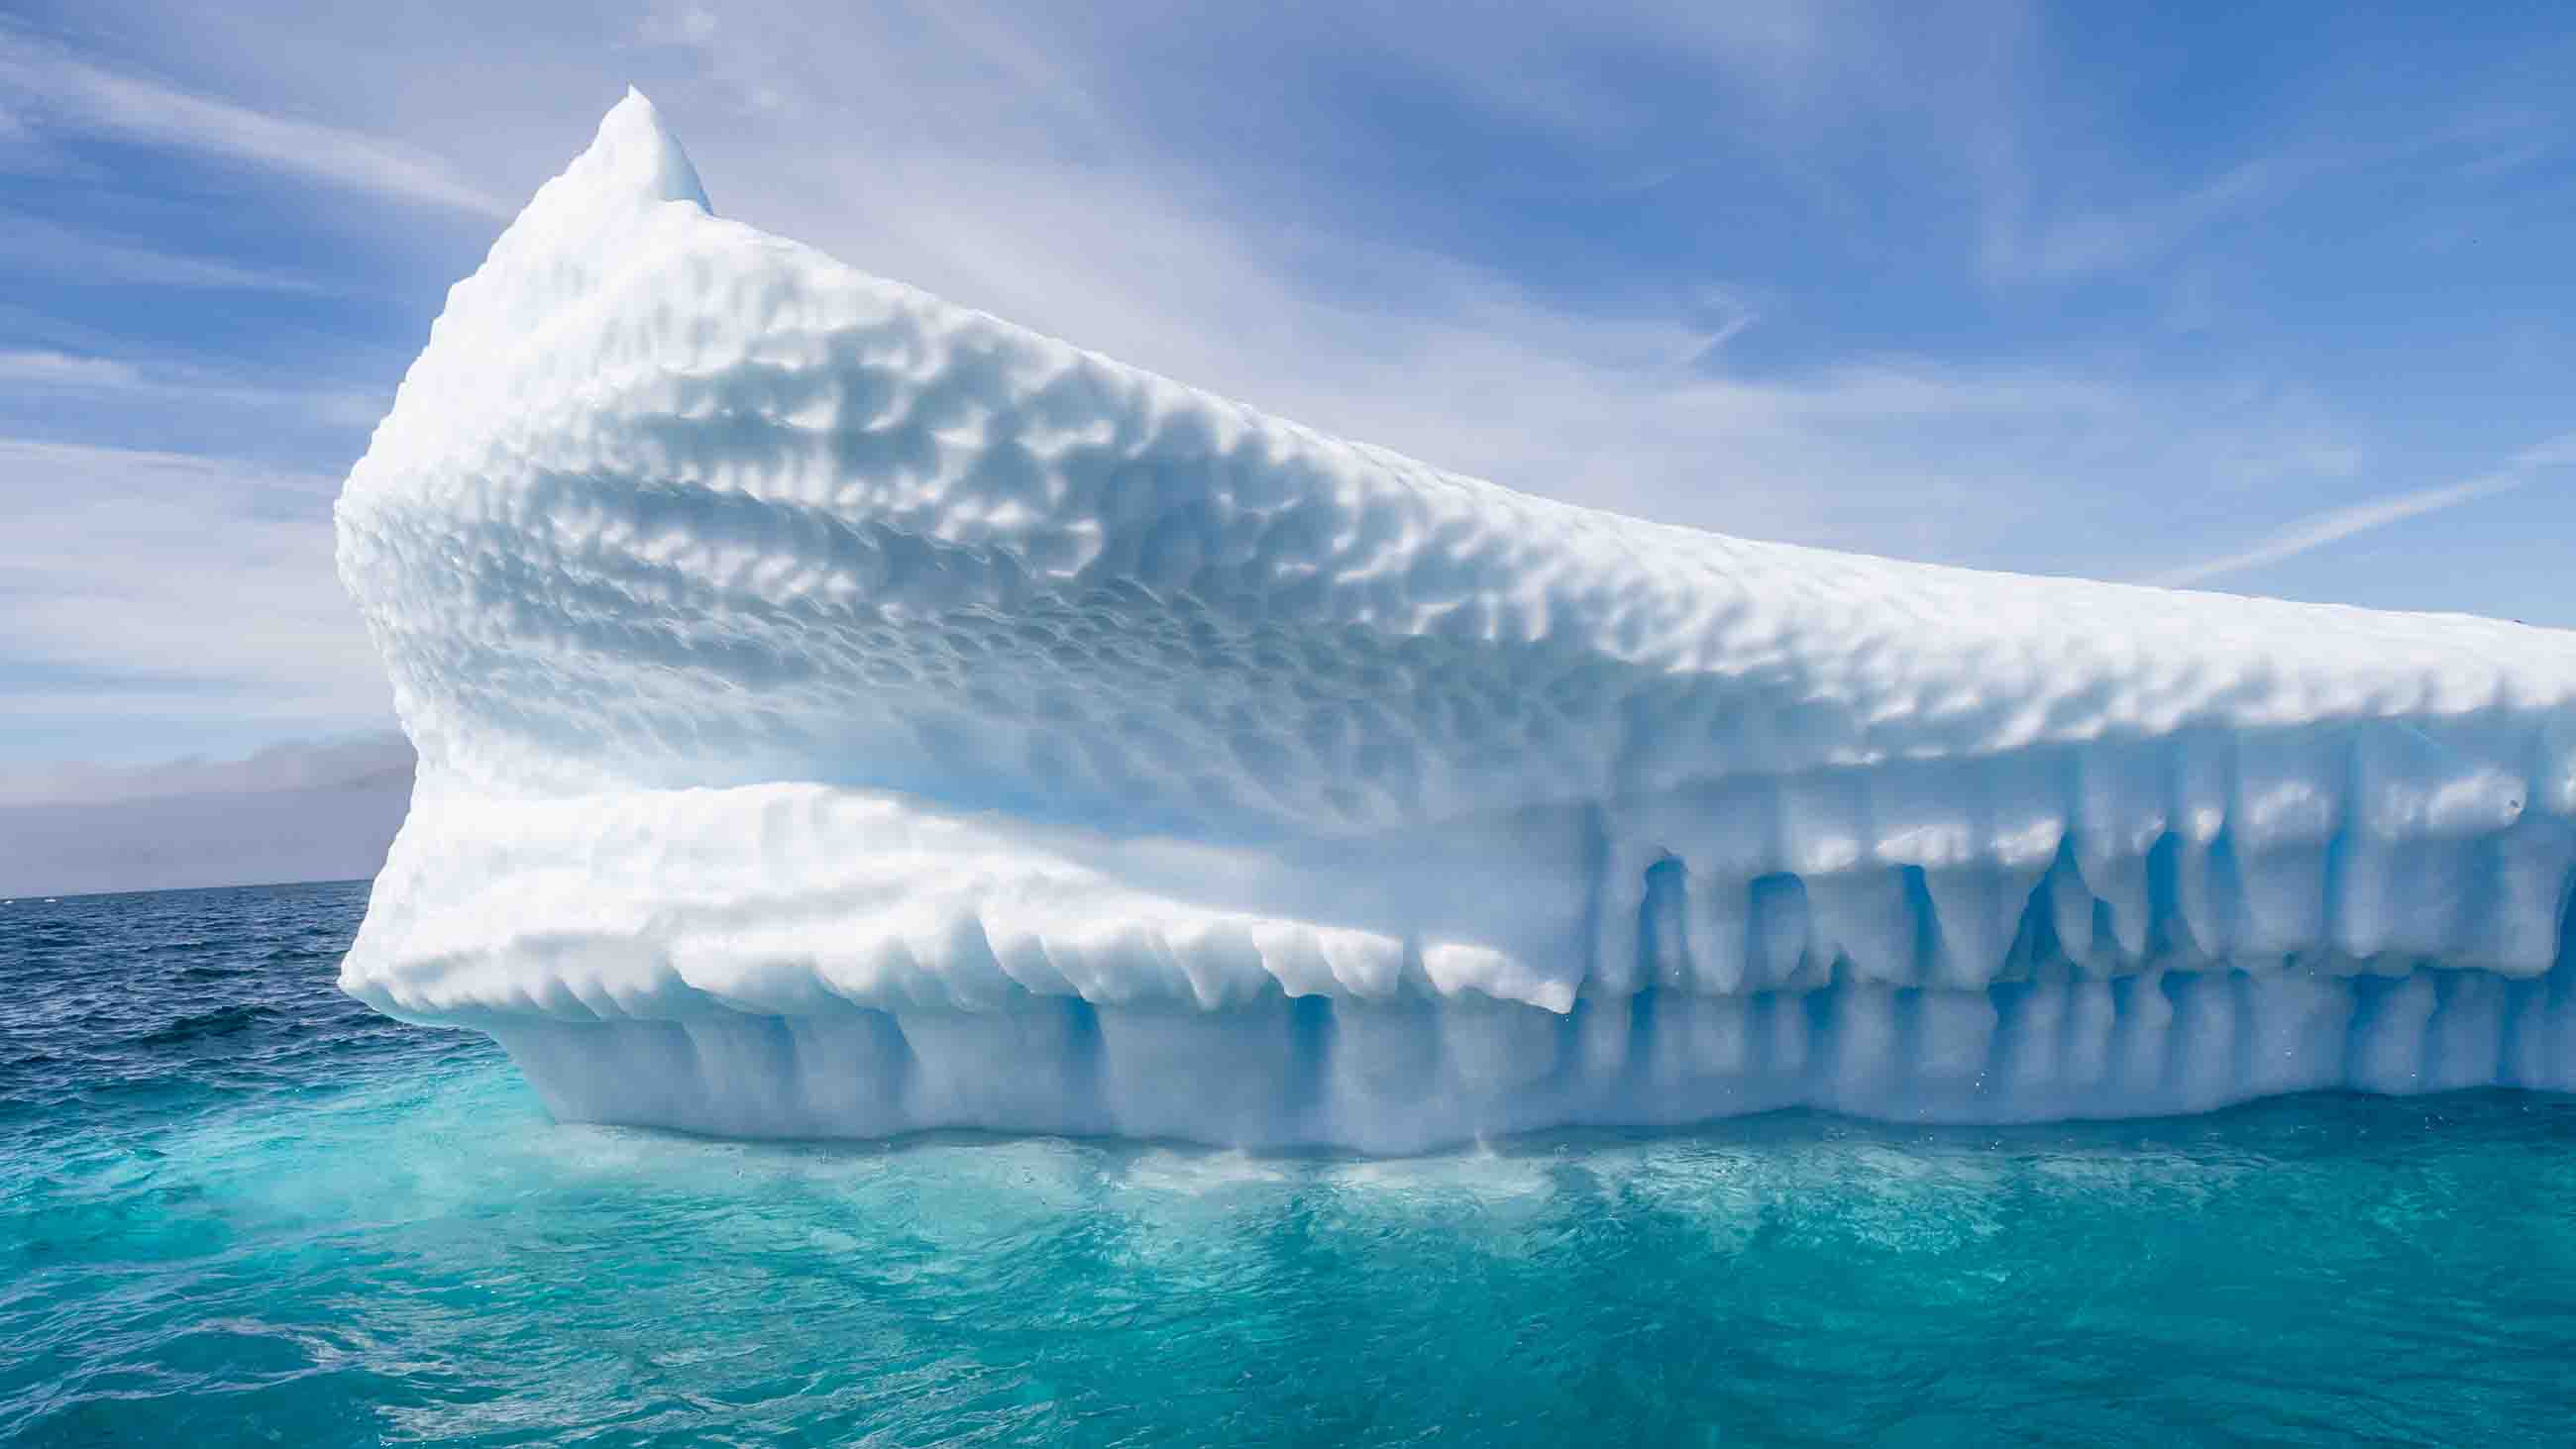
x,y
36,366
2088,238
2093,243
45,368
49,89
147,582
2319,529
32,245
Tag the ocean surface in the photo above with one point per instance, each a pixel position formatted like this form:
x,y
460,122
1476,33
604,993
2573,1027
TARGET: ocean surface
x,y
236,1207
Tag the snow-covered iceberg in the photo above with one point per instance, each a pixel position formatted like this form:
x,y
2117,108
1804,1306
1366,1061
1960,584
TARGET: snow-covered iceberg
x,y
841,713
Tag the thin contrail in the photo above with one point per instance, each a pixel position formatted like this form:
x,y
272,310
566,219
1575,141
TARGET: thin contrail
x,y
2318,529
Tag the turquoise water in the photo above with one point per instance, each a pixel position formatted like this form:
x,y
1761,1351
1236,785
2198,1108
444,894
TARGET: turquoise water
x,y
236,1208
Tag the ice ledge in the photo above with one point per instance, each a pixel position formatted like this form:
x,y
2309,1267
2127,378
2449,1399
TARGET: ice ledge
x,y
1411,1075
806,899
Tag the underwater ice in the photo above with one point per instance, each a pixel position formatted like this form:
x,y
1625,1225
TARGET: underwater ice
x,y
843,713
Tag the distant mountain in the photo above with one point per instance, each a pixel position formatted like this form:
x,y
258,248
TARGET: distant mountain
x,y
308,810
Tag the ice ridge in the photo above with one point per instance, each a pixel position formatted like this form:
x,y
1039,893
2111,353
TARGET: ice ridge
x,y
841,713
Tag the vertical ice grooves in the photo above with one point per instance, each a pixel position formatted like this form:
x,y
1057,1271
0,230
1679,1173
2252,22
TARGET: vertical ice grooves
x,y
1316,1070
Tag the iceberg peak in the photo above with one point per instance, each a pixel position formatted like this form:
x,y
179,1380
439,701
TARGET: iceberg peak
x,y
615,210
634,155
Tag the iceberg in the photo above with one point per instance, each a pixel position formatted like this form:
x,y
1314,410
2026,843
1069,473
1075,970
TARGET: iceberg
x,y
842,713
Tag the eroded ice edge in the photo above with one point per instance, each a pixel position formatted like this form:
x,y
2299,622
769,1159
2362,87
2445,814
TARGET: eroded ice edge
x,y
843,713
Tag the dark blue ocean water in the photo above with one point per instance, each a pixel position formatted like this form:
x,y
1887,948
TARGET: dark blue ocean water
x,y
238,1208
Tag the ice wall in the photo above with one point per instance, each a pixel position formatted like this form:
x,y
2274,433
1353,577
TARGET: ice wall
x,y
840,712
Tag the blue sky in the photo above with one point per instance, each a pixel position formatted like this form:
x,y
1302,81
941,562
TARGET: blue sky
x,y
2273,301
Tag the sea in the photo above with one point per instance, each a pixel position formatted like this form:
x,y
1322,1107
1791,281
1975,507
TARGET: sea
x,y
237,1207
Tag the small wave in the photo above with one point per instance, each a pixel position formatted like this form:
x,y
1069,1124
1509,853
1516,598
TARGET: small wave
x,y
221,1022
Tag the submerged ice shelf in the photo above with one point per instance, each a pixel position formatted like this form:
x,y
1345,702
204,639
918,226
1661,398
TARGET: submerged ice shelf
x,y
841,713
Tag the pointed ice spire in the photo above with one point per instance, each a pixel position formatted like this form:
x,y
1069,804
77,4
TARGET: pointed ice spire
x,y
636,154
580,221
580,224
631,196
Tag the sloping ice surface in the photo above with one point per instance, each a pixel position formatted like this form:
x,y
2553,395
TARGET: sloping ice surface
x,y
841,712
